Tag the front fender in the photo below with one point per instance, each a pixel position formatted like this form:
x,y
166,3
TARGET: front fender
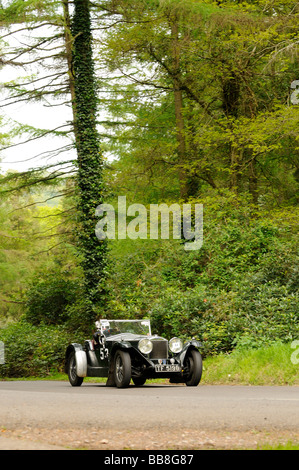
x,y
193,344
123,345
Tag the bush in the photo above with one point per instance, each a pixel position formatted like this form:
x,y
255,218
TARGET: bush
x,y
251,314
240,287
48,299
34,351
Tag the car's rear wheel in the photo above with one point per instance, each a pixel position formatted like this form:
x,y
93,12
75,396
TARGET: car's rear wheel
x,y
193,368
75,381
122,369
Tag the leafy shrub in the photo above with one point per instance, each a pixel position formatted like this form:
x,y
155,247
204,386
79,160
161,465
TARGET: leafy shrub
x,y
240,288
254,315
48,298
34,350
188,314
268,312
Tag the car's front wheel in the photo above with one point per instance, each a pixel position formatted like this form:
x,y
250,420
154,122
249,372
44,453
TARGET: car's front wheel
x,y
122,369
75,381
193,368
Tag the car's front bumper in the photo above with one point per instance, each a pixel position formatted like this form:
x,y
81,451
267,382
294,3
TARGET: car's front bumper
x,y
163,368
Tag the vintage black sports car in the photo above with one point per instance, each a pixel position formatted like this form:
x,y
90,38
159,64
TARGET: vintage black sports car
x,y
126,349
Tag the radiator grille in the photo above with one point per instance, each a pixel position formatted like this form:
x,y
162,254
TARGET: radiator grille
x,y
160,350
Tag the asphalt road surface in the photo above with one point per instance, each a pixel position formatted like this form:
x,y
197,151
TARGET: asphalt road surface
x,y
54,413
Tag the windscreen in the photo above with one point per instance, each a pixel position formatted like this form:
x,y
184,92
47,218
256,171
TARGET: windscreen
x,y
114,327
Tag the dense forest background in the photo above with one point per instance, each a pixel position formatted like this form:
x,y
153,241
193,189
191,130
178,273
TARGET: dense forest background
x,y
196,102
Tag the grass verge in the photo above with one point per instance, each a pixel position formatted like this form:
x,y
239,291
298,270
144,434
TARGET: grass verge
x,y
272,365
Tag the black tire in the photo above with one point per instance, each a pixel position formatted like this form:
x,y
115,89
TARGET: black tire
x,y
139,381
193,368
122,369
74,380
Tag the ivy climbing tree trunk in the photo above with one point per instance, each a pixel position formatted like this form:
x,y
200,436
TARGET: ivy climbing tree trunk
x,y
90,160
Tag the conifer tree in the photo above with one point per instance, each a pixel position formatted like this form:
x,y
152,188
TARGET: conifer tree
x,y
66,50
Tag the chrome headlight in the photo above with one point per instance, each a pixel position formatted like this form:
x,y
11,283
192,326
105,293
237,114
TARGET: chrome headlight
x,y
175,345
145,346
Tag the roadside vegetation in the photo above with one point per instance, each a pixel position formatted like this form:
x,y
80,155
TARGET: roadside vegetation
x,y
238,295
264,366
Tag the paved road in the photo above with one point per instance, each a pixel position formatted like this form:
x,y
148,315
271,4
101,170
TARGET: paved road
x,y
57,405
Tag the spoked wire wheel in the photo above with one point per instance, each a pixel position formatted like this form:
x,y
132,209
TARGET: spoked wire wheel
x,y
75,381
122,369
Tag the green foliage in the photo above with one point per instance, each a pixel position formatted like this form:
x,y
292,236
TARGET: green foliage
x,y
240,288
34,350
233,76
29,243
48,299
211,294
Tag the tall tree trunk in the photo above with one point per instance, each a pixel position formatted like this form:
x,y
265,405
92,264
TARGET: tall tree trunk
x,y
231,95
253,182
235,163
90,160
178,104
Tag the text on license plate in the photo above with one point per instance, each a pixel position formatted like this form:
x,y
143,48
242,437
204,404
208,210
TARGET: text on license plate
x,y
167,368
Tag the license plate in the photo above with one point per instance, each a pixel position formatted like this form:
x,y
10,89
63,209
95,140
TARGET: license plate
x,y
167,368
